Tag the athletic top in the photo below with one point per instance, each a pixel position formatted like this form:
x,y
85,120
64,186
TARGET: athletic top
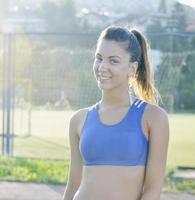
x,y
123,143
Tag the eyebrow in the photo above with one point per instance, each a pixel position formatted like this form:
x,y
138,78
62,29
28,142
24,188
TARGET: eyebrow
x,y
109,56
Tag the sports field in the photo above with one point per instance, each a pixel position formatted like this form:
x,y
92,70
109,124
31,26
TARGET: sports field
x,y
49,136
182,140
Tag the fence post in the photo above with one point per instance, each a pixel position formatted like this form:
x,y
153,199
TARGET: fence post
x,y
8,94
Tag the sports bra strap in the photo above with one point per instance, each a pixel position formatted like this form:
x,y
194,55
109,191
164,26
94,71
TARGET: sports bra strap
x,y
140,105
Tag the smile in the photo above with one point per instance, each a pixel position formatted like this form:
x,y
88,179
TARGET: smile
x,y
103,78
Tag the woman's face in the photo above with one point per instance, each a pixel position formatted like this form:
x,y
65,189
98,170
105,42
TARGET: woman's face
x,y
111,65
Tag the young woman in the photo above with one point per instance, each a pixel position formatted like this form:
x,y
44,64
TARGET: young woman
x,y
119,145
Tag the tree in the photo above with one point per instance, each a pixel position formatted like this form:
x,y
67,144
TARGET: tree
x,y
187,84
178,23
59,17
171,79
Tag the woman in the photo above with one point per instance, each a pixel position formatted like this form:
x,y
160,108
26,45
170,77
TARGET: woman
x,y
119,145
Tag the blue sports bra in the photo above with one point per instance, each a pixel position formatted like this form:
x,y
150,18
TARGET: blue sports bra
x,y
121,144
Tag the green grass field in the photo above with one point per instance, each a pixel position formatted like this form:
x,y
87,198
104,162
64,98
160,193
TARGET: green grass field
x,y
182,140
49,140
49,137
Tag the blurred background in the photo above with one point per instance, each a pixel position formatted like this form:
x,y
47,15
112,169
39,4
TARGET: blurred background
x,y
46,56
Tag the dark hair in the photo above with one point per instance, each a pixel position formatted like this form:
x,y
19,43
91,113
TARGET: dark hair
x,y
137,45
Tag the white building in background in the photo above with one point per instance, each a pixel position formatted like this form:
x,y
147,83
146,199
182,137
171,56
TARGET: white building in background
x,y
137,13
156,58
134,7
96,13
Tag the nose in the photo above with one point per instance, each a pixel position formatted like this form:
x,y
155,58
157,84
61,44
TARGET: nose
x,y
102,67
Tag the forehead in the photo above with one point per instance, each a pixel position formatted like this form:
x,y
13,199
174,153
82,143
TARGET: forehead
x,y
110,47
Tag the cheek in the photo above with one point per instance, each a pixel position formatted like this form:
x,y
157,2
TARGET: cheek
x,y
95,69
94,65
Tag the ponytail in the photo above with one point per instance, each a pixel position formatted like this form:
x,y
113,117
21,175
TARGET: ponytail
x,y
143,85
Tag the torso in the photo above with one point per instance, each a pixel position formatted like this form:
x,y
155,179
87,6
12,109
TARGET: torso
x,y
111,182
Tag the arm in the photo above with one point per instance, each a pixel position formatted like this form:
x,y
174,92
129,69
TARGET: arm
x,y
75,166
158,124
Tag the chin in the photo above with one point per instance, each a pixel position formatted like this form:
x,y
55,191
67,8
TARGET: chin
x,y
104,87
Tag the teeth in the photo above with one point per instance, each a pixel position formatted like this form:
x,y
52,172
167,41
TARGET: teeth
x,y
99,78
105,78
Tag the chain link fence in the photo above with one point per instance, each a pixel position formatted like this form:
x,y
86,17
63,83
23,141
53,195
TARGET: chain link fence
x,y
50,76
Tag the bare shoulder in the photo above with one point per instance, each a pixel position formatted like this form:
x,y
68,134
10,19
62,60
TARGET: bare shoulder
x,y
156,116
155,111
78,118
79,114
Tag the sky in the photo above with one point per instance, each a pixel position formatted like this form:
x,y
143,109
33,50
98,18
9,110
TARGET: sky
x,y
190,3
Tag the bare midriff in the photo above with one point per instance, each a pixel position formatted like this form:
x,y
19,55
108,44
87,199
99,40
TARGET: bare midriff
x,y
107,182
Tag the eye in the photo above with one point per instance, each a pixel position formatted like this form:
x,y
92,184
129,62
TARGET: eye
x,y
114,61
98,59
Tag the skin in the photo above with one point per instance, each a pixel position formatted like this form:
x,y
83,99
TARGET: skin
x,y
118,182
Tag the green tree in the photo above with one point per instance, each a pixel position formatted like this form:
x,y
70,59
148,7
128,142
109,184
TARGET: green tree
x,y
157,41
171,80
61,18
187,83
178,23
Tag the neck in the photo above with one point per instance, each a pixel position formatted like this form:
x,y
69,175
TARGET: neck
x,y
113,98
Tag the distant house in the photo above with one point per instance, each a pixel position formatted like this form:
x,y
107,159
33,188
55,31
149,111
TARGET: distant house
x,y
132,14
139,16
94,19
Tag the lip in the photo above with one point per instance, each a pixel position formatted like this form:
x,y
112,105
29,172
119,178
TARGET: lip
x,y
103,78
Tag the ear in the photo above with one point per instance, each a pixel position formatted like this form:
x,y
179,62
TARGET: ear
x,y
132,68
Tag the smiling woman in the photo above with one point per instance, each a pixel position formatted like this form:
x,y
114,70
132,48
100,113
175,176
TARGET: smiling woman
x,y
121,139
111,68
